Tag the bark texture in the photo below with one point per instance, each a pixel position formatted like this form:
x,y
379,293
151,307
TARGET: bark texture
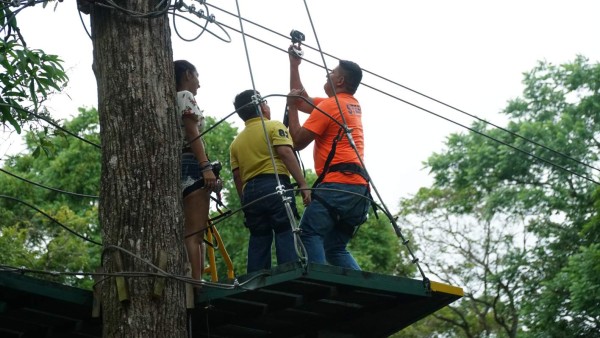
x,y
140,201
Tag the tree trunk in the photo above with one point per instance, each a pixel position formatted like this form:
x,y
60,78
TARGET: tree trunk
x,y
140,200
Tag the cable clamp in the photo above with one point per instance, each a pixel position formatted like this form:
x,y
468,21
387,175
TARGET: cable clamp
x,y
281,192
349,135
256,99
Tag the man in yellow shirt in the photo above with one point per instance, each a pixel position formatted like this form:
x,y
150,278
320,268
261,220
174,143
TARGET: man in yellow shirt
x,y
255,180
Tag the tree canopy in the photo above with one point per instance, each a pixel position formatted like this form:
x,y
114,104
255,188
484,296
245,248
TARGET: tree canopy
x,y
514,210
27,76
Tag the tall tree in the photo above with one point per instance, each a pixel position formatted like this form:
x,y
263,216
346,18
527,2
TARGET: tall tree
x,y
140,203
539,173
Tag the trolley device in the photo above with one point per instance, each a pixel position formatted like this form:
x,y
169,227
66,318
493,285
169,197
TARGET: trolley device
x,y
297,39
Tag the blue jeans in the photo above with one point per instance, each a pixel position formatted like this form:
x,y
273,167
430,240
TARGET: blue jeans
x,y
267,219
330,220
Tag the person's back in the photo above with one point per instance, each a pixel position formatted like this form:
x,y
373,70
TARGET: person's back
x,y
326,131
251,148
252,158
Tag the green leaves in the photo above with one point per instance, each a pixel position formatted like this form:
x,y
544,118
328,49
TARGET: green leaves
x,y
68,164
27,78
530,175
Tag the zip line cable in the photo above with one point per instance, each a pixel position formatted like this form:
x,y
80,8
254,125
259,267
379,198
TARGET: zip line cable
x,y
87,31
457,123
52,123
348,134
52,219
48,188
132,274
491,138
180,3
208,17
280,189
392,96
418,93
373,88
190,11
385,210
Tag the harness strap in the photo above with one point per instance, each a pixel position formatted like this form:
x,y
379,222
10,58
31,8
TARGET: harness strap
x,y
345,168
329,158
349,168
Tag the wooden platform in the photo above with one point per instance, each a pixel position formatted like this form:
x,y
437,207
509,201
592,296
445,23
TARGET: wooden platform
x,y
321,301
288,301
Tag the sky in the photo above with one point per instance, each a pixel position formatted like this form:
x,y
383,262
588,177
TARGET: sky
x,y
468,54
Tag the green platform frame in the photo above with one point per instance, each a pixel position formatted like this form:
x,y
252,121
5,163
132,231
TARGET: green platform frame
x,y
288,301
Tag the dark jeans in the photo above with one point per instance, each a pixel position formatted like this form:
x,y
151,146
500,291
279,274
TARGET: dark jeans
x,y
330,221
266,219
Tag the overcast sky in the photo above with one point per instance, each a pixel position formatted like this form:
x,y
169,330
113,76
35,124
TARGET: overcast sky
x,y
467,54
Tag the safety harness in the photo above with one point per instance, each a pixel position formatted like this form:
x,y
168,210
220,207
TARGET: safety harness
x,y
350,168
345,167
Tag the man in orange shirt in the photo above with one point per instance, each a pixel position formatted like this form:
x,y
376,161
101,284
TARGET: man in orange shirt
x,y
339,204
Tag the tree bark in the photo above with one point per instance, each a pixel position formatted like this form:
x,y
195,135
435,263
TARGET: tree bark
x,y
140,200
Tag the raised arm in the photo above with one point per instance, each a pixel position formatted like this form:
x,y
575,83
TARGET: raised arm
x,y
300,135
296,82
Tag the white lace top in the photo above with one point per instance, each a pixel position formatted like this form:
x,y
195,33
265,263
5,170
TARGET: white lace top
x,y
186,106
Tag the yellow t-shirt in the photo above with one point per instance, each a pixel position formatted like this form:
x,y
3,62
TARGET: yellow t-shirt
x,y
250,153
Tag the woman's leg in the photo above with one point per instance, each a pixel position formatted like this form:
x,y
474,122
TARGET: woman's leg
x,y
195,208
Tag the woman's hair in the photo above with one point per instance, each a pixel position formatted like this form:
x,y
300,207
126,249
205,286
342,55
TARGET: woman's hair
x,y
244,106
181,66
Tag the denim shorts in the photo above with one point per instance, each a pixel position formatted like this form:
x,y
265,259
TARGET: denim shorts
x,y
191,176
268,214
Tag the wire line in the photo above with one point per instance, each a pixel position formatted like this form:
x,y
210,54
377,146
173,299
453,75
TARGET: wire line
x,y
415,92
52,219
46,187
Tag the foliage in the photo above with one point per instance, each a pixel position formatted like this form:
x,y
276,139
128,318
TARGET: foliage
x,y
27,77
527,190
32,239
36,242
376,248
